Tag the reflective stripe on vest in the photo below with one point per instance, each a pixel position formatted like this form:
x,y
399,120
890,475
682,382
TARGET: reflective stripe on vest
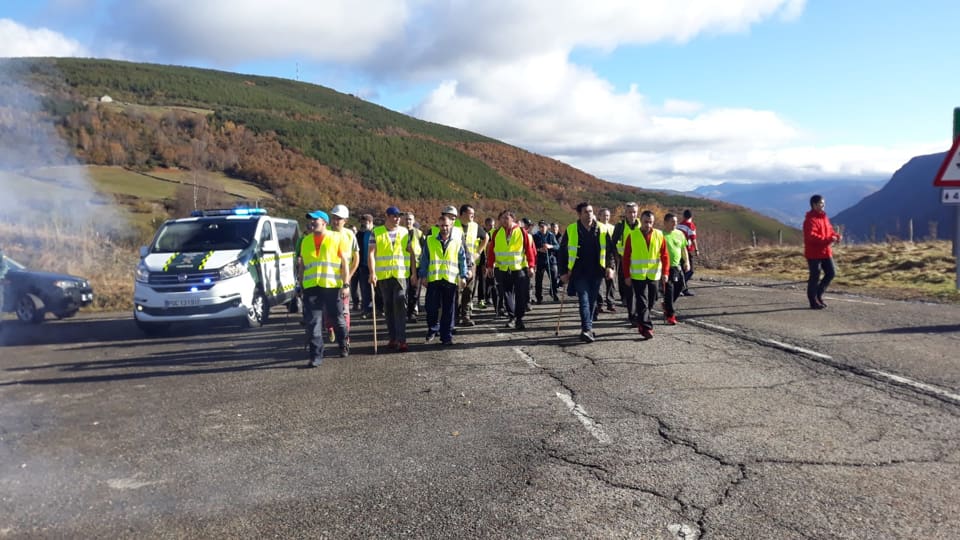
x,y
321,268
444,265
509,255
391,259
573,245
644,260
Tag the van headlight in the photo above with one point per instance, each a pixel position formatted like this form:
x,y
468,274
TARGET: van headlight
x,y
141,274
232,270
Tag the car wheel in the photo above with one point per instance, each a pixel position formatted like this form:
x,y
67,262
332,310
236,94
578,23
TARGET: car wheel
x,y
258,312
65,314
30,309
152,329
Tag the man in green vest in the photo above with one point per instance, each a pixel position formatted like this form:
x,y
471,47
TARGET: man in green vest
x,y
474,242
646,265
621,231
324,278
679,263
391,260
606,298
586,257
416,241
511,260
443,267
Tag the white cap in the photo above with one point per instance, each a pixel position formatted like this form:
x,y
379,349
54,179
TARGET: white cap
x,y
341,211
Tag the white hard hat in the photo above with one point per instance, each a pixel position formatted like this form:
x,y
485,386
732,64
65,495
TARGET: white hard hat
x,y
341,211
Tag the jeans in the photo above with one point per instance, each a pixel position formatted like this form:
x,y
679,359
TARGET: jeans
x,y
816,286
587,291
320,302
440,305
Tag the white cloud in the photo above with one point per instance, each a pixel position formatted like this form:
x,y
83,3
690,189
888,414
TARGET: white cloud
x,y
17,40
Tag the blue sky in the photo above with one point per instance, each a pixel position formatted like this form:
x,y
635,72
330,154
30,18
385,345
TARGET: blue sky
x,y
655,93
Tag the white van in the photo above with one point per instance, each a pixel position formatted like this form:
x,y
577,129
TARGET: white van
x,y
217,265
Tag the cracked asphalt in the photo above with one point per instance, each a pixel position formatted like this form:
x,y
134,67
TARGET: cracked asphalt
x,y
695,434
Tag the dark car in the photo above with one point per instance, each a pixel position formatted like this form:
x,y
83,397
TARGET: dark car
x,y
31,294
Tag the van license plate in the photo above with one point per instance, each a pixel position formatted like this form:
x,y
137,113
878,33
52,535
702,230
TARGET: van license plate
x,y
186,302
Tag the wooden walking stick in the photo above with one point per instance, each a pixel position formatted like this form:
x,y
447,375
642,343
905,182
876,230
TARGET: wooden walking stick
x,y
373,301
562,297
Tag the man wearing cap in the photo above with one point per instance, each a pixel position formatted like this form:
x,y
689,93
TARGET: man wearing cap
x,y
443,267
390,257
511,259
324,278
545,241
339,216
474,242
416,242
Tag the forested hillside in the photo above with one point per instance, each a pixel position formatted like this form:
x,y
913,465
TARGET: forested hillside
x,y
308,145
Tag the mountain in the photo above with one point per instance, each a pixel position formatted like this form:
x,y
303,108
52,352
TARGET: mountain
x,y
788,202
307,145
908,195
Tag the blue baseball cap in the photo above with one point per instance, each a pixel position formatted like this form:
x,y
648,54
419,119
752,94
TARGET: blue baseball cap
x,y
319,214
393,211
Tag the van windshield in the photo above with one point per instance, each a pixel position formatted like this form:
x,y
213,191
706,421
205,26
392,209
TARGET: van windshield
x,y
221,234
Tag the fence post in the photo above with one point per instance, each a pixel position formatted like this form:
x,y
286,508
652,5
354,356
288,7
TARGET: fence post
x,y
910,229
753,237
779,237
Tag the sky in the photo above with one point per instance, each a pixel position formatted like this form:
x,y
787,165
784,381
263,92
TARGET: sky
x,y
662,94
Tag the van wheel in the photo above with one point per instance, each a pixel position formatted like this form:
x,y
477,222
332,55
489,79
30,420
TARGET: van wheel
x,y
258,312
30,309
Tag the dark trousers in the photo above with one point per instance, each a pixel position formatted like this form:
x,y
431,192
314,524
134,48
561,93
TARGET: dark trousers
x,y
627,295
413,300
394,294
672,293
360,289
440,305
320,302
544,266
608,296
515,285
465,307
688,275
586,289
816,286
645,296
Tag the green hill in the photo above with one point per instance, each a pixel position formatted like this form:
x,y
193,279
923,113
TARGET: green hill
x,y
307,146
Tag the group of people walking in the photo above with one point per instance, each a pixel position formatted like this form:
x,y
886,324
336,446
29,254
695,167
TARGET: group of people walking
x,y
386,267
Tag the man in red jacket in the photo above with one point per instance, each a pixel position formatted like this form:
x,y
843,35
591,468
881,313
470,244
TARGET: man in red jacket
x,y
818,236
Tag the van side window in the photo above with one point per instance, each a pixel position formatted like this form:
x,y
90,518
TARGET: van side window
x,y
267,232
287,233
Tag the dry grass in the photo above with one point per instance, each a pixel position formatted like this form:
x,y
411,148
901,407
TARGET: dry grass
x,y
899,270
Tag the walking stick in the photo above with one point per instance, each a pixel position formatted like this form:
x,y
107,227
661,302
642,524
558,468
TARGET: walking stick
x,y
373,301
562,298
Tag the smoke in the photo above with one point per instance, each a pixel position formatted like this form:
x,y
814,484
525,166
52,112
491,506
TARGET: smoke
x,y
43,187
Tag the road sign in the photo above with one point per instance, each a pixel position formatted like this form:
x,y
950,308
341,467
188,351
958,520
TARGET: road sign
x,y
950,196
949,173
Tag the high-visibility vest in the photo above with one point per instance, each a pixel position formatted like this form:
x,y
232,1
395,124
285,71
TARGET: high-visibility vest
x,y
470,241
508,252
321,267
645,260
349,242
627,230
415,241
676,242
455,232
444,265
390,259
607,227
573,245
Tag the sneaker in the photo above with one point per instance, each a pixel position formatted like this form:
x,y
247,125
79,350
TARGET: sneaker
x,y
366,315
510,323
481,305
687,292
467,322
520,326
817,306
671,320
448,343
821,302
314,363
345,350
611,309
646,333
402,347
332,335
587,336
431,336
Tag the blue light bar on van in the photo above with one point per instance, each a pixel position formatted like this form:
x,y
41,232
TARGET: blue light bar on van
x,y
229,212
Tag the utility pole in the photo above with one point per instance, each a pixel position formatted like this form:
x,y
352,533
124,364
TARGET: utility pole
x,y
956,208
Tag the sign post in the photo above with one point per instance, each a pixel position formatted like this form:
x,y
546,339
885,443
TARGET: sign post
x,y
948,179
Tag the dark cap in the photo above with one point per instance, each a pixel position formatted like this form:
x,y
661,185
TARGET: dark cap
x,y
541,222
393,211
525,222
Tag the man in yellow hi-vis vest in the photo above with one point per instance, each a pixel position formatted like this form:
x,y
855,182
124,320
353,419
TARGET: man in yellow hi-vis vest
x,y
512,259
474,242
324,278
391,261
606,298
416,241
586,257
646,266
443,267
621,231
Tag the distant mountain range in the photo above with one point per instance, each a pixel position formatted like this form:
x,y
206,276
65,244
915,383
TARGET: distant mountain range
x,y
789,202
908,195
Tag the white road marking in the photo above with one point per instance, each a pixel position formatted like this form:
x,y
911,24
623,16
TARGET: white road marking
x,y
681,531
526,358
597,431
830,298
928,388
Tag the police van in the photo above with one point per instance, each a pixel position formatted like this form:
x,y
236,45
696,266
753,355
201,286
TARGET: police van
x,y
224,264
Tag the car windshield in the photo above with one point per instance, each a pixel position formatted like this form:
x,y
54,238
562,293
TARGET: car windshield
x,y
205,235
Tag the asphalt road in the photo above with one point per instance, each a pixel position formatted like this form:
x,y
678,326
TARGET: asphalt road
x,y
716,428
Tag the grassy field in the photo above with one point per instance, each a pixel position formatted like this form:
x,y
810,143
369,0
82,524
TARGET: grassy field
x,y
901,270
